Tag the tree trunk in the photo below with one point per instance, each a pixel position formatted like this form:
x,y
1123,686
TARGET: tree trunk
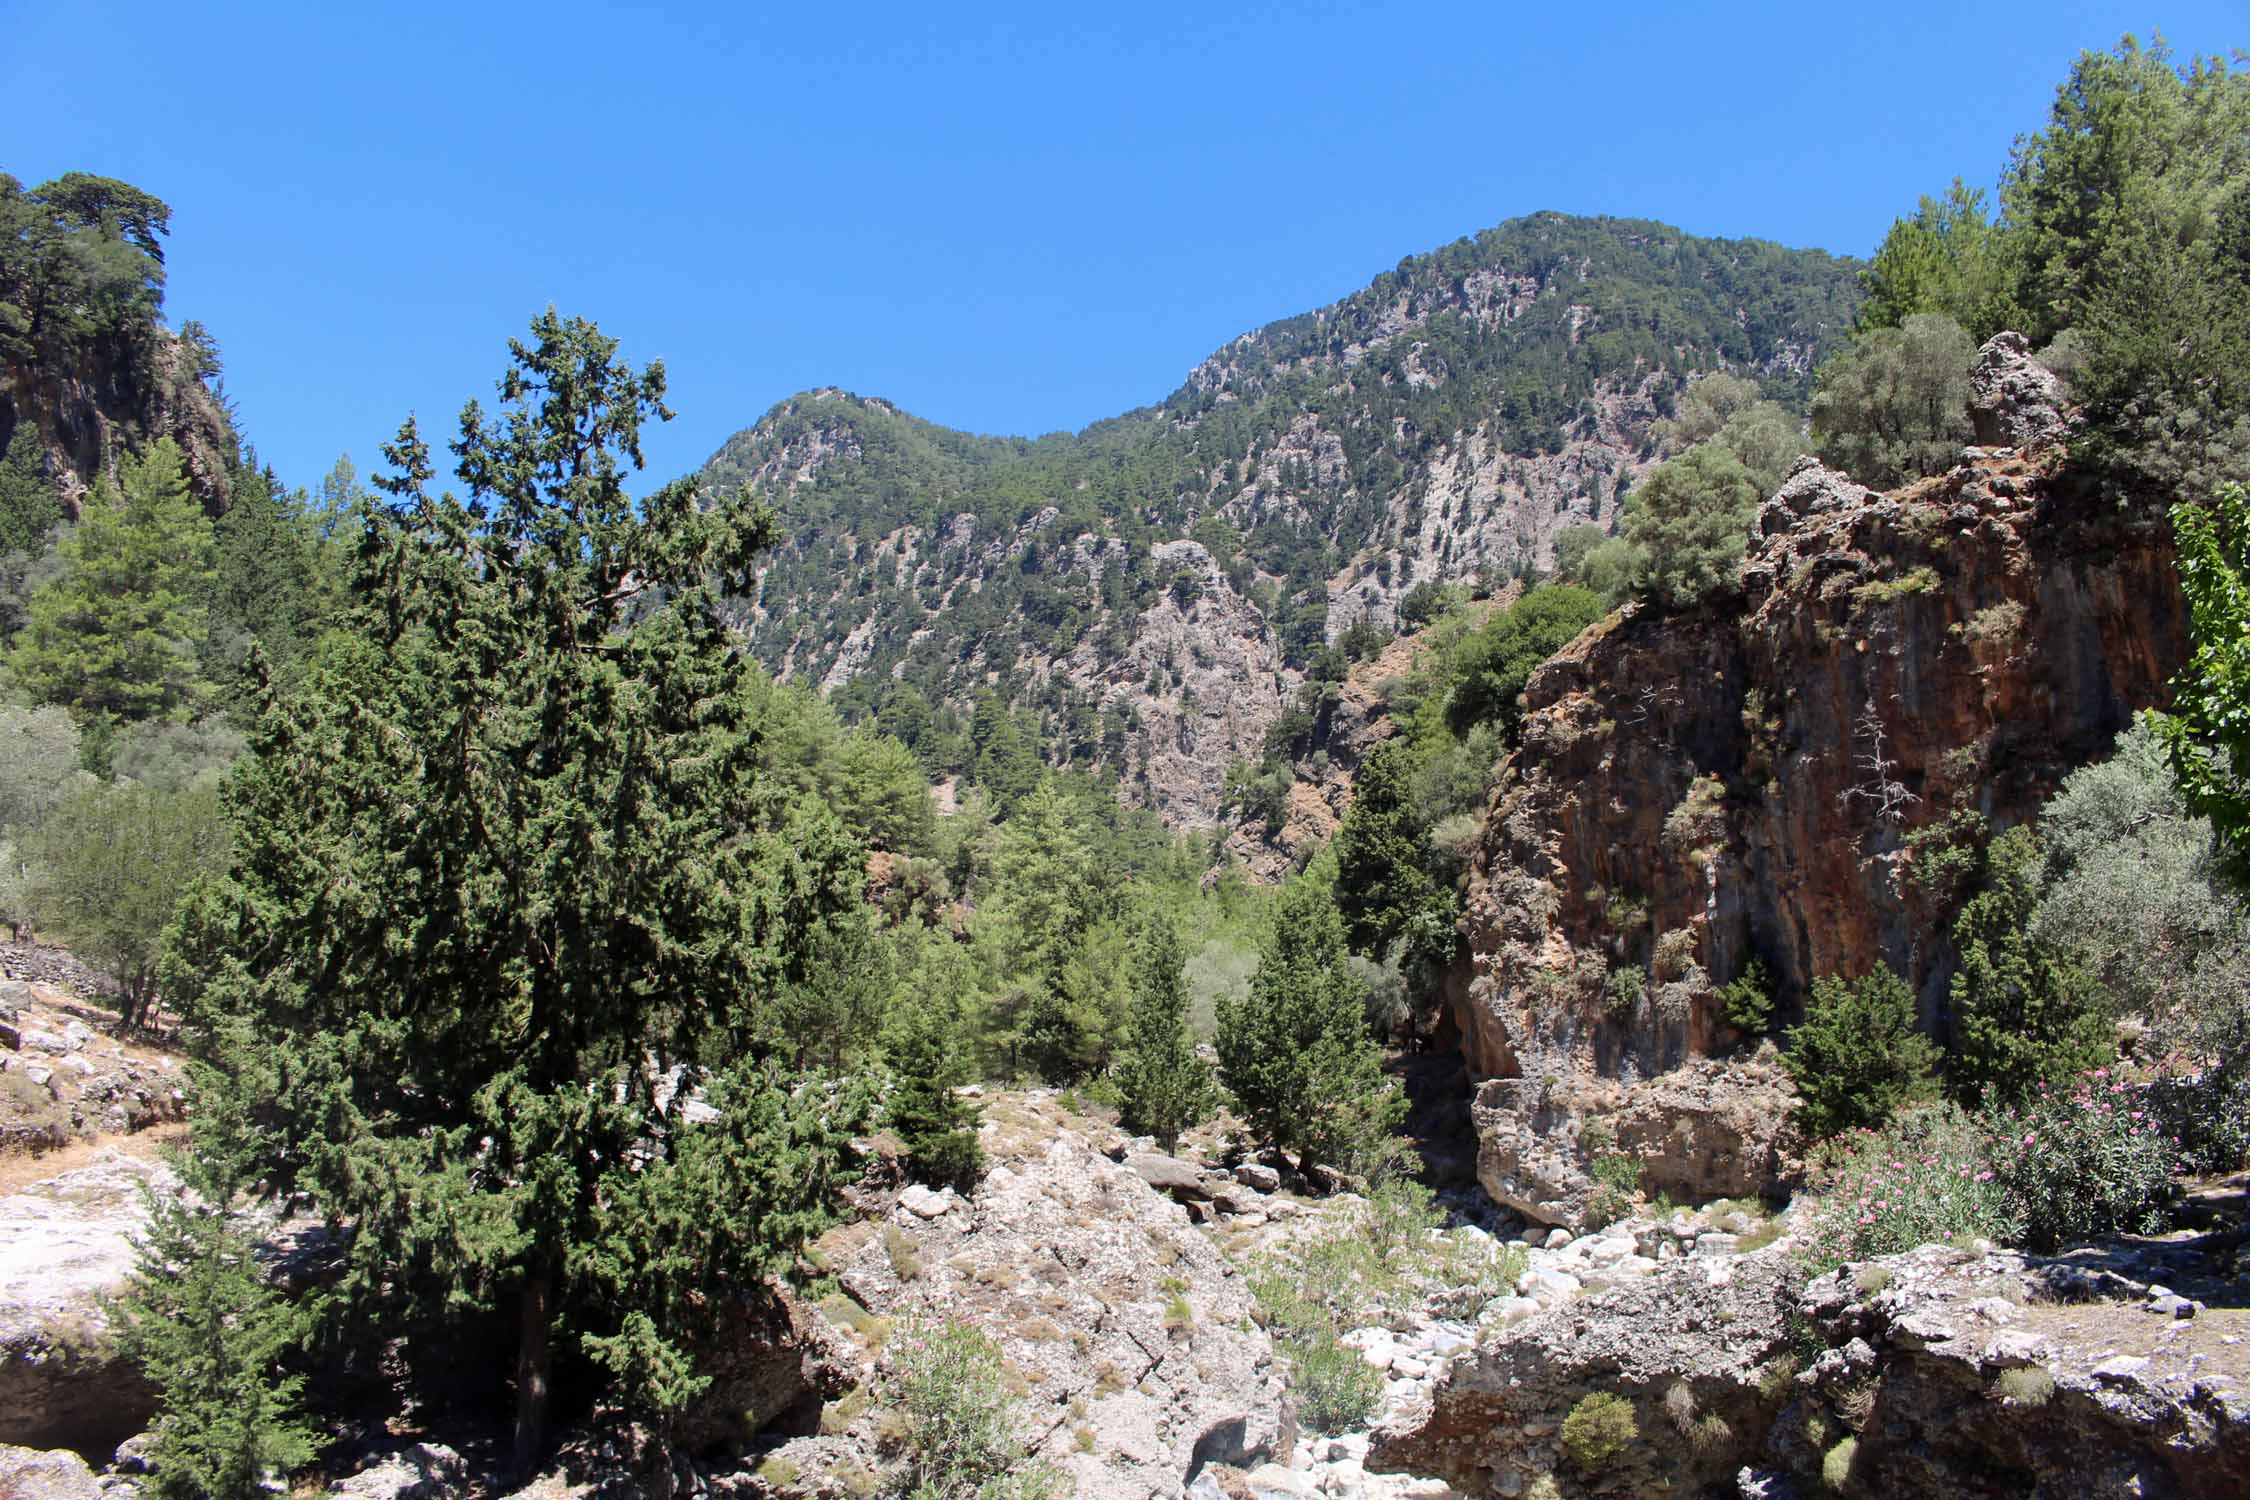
x,y
531,1370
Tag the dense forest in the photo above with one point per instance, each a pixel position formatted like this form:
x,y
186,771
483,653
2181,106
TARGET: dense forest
x,y
530,932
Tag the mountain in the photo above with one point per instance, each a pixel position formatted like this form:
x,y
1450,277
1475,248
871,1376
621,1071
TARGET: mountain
x,y
1156,587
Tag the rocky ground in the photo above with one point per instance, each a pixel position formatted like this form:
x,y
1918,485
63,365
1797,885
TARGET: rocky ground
x,y
65,1075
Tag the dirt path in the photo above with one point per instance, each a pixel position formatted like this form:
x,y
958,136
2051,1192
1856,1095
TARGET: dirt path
x,y
19,1170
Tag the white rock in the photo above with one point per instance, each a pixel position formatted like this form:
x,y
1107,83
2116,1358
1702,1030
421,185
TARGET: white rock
x,y
924,1203
1407,1367
1558,1237
1274,1480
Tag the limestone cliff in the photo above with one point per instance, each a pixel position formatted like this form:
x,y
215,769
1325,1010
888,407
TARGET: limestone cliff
x,y
1697,789
123,393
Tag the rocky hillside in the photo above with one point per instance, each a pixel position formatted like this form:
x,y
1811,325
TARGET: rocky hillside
x,y
1155,585
1757,778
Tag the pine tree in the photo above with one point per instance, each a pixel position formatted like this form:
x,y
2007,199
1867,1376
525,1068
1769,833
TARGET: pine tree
x,y
1857,1057
118,636
508,894
2022,1013
1295,1052
937,1129
1380,881
1166,1087
213,1335
29,507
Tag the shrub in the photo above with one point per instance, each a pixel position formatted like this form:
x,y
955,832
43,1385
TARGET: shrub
x,y
1690,522
2022,1012
1857,1058
957,1430
2028,1386
1598,1430
1623,991
1336,1389
1746,1001
1928,1178
1836,1468
1895,405
1618,1179
2085,1161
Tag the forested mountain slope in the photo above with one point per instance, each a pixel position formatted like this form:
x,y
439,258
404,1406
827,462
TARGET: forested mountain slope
x,y
1155,587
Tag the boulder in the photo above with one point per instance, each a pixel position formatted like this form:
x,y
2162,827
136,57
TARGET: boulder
x,y
424,1471
63,1243
2014,401
1258,1177
30,1474
1168,1174
1712,1330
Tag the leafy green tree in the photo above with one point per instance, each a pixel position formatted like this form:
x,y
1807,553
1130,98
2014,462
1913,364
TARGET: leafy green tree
x,y
1497,661
114,861
1948,259
508,894
1381,882
1689,523
213,1335
1295,1053
1166,1088
1572,546
118,634
2022,1013
1040,905
80,263
882,793
936,1127
2207,734
29,506
1856,1058
1895,406
270,584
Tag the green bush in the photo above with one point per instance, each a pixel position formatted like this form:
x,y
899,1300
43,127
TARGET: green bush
x,y
2085,1160
1746,1001
1335,1388
1895,406
1857,1057
958,1431
1927,1178
1690,521
1598,1430
2022,1012
1836,1468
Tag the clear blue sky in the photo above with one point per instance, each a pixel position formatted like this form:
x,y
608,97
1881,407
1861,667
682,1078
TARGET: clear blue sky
x,y
1005,218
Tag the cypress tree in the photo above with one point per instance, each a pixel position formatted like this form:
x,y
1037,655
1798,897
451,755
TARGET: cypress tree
x,y
484,979
1166,1087
1295,1052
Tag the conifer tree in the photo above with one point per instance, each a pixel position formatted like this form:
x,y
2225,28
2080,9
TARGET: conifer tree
x,y
937,1129
117,636
1295,1052
2022,1012
29,508
484,979
1166,1087
1857,1058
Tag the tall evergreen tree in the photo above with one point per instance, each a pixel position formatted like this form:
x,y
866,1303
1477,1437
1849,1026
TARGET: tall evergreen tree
x,y
2022,1012
118,635
1381,883
1166,1087
508,891
1295,1052
29,507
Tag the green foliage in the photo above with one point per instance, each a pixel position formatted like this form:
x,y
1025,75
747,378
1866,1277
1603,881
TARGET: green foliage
x,y
1689,523
960,1432
2093,1156
508,885
1948,259
1496,661
1165,1086
936,1127
114,861
2021,1011
1857,1058
1573,545
1836,1464
1295,1052
1381,882
80,267
1746,1001
213,1335
273,585
2207,734
1926,1177
29,506
1895,406
1598,1430
1336,1389
118,634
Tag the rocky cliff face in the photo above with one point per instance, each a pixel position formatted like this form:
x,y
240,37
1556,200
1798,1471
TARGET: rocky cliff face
x,y
1155,584
123,397
1744,780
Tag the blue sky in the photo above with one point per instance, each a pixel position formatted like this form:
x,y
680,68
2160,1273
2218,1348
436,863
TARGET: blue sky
x,y
1006,218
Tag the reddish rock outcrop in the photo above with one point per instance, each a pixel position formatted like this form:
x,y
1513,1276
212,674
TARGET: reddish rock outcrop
x,y
1700,788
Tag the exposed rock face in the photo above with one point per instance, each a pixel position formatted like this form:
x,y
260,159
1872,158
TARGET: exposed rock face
x,y
2115,1395
1705,1129
1154,584
1697,789
2014,401
29,1474
62,1243
1712,1327
88,418
1128,1331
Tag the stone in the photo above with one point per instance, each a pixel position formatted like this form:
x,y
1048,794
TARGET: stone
x,y
2121,1368
2014,401
1258,1177
1168,1174
31,1474
423,1471
1557,1238
1273,1482
923,1202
